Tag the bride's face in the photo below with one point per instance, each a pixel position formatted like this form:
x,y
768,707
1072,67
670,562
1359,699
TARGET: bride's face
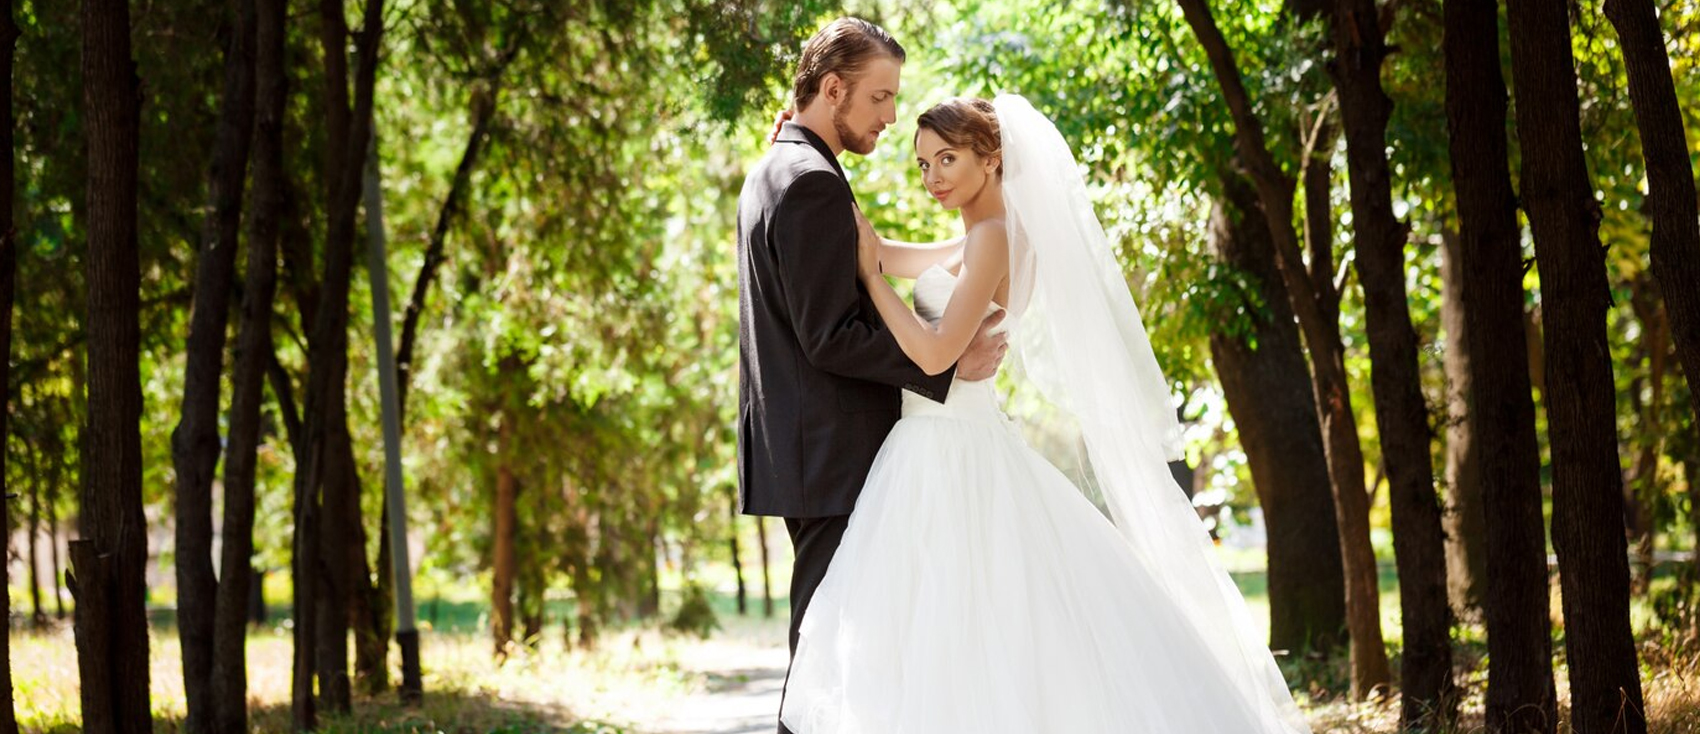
x,y
955,175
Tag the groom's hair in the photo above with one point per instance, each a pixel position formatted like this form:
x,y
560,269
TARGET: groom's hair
x,y
844,46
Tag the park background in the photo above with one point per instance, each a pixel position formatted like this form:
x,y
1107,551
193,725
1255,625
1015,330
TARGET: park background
x,y
193,372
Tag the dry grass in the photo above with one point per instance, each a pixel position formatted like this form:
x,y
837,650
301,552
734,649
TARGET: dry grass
x,y
636,674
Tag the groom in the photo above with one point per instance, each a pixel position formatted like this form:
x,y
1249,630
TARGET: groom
x,y
819,376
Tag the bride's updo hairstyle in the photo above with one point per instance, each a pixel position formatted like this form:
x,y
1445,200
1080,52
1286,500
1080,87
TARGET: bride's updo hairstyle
x,y
965,122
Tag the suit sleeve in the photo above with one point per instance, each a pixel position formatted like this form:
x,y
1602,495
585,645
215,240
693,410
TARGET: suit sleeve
x,y
814,238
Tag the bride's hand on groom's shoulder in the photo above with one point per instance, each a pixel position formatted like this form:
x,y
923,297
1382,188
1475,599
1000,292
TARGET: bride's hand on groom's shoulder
x,y
779,121
867,246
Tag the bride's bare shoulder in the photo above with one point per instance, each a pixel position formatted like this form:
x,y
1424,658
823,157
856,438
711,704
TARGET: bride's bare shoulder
x,y
987,238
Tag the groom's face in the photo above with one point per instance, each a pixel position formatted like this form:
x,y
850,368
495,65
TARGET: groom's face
x,y
869,106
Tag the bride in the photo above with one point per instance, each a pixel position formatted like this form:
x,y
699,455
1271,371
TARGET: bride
x,y
976,589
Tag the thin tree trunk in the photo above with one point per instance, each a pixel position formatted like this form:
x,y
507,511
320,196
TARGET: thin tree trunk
x,y
1642,488
483,111
1268,392
766,569
737,562
325,473
195,442
1672,204
253,354
1587,522
1345,457
110,557
1401,413
372,613
37,617
506,516
55,582
1464,522
8,291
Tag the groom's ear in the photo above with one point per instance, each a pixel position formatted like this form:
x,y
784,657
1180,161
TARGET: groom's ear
x,y
832,87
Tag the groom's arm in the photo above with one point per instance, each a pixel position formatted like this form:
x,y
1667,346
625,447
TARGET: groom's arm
x,y
814,236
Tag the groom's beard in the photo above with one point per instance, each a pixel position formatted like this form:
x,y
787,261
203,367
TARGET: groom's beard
x,y
858,144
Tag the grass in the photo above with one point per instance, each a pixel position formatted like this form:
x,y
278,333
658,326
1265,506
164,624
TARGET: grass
x,y
637,670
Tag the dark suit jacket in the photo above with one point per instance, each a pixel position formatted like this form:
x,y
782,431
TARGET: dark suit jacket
x,y
819,376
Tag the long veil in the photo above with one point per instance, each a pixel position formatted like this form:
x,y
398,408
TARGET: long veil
x,y
1079,339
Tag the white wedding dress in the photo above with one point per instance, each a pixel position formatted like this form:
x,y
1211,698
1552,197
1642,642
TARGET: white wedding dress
x,y
977,590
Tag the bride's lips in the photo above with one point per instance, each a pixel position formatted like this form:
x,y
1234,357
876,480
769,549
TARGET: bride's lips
x,y
941,194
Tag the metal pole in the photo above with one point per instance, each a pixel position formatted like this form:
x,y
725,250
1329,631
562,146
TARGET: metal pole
x,y
377,269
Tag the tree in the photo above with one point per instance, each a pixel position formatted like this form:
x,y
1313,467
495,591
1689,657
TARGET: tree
x,y
1267,388
327,502
8,291
1463,521
253,354
1587,516
1521,695
195,442
1401,414
1351,503
110,557
1672,206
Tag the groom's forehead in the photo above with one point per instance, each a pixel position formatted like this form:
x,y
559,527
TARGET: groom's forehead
x,y
883,75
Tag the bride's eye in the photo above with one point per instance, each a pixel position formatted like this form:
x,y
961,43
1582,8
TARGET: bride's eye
x,y
947,160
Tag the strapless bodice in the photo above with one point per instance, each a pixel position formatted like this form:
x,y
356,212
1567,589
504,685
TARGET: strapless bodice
x,y
967,400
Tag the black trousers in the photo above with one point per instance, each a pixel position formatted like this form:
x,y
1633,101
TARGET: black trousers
x,y
815,540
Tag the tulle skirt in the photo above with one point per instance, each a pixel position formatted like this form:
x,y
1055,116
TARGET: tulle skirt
x,y
977,590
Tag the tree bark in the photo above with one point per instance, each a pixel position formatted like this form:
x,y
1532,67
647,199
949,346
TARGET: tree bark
x,y
323,476
8,287
1587,522
1672,205
1401,413
253,353
766,569
506,516
38,618
195,442
1464,523
111,626
737,562
1345,457
1268,392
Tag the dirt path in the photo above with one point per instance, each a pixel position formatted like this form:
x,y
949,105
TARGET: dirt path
x,y
740,694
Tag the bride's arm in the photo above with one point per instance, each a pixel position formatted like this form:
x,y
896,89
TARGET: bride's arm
x,y
935,349
910,259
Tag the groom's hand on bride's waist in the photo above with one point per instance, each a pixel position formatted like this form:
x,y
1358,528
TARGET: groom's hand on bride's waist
x,y
985,352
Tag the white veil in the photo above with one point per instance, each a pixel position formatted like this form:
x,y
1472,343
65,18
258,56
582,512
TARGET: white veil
x,y
1079,339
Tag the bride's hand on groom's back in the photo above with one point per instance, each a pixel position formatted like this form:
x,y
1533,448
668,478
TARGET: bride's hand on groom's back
x,y
985,354
779,121
867,247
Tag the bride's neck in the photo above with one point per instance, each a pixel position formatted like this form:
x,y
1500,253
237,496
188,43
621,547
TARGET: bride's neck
x,y
987,205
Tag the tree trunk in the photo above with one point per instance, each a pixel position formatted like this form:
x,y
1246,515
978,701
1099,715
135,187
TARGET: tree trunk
x,y
506,516
9,34
8,290
766,569
1465,525
1345,457
253,354
53,554
1269,394
195,442
1587,521
327,467
1401,413
1672,205
37,616
483,111
737,562
1642,488
111,626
